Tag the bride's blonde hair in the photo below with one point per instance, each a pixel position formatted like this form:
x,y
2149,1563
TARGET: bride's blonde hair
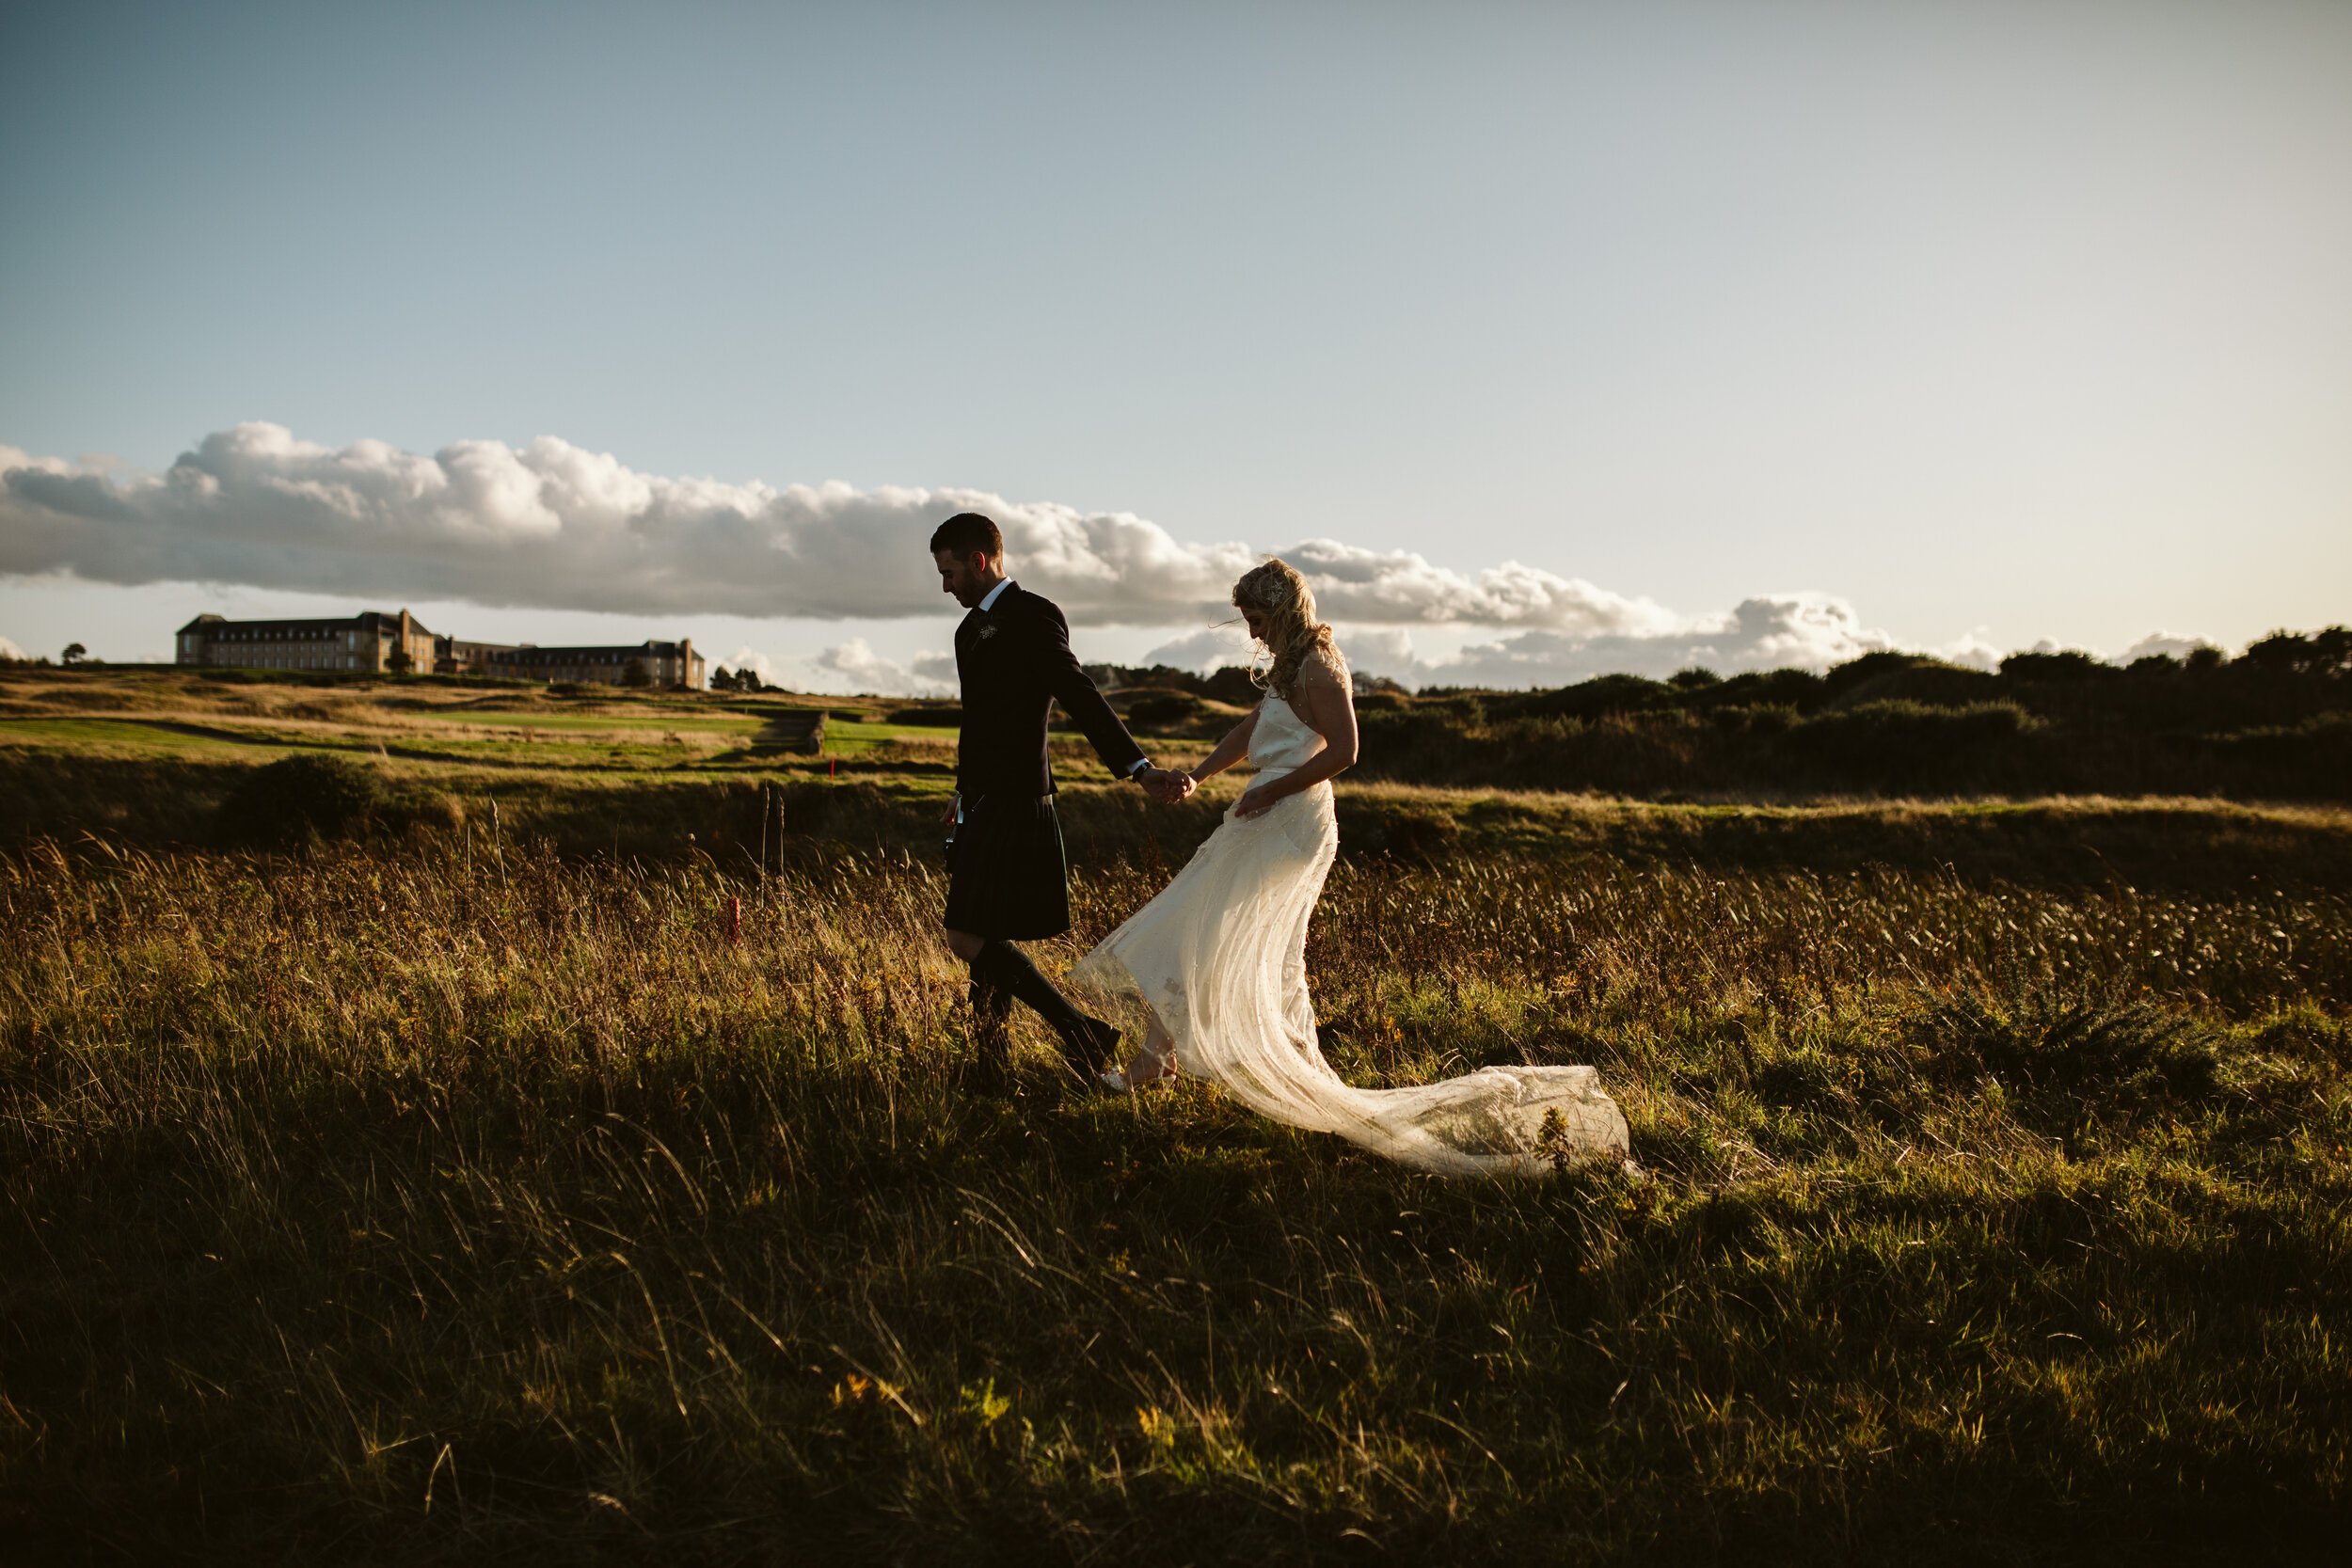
x,y
1293,634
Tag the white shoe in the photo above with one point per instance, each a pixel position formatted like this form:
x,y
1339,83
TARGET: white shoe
x,y
1116,1080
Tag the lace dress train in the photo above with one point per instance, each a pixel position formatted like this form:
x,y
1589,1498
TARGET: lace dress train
x,y
1220,958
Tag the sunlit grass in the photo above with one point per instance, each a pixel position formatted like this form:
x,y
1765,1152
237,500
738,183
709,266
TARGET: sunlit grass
x,y
481,1202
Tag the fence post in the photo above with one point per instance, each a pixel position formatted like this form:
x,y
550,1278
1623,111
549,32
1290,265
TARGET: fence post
x,y
771,832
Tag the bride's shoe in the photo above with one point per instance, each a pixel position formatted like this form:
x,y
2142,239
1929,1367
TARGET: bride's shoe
x,y
1145,1069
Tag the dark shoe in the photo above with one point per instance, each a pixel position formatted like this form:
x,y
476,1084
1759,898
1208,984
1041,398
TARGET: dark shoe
x,y
1086,1042
1092,1046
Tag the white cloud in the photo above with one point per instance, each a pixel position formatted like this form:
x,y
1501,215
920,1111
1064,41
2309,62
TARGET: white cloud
x,y
9,650
854,667
748,658
2163,642
549,524
1227,643
1807,630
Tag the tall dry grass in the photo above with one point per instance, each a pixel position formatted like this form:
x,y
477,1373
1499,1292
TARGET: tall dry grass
x,y
455,1204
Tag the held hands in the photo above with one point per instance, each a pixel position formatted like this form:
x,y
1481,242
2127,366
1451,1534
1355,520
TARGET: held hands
x,y
1167,785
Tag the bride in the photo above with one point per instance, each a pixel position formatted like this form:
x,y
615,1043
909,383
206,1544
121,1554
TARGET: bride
x,y
1218,961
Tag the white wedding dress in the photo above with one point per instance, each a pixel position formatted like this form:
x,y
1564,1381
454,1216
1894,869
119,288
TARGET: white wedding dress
x,y
1220,957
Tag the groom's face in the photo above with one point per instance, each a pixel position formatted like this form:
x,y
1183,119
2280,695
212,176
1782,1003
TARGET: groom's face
x,y
967,577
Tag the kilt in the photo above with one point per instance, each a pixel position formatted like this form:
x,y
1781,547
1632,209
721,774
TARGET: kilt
x,y
1006,875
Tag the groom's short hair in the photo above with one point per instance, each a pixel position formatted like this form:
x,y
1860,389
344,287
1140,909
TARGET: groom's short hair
x,y
967,531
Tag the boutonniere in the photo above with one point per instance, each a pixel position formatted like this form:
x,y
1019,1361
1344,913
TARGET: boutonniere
x,y
986,632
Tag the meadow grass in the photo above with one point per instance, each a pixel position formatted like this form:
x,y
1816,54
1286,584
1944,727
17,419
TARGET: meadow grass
x,y
458,1201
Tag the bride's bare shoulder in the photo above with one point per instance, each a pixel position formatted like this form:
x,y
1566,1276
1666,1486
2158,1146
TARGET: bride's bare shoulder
x,y
1325,667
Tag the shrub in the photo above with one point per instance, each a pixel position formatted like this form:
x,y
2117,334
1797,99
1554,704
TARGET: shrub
x,y
2070,664
1234,684
944,715
299,798
1166,707
1909,742
1869,667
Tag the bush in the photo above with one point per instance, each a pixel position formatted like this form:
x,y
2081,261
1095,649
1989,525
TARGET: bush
x,y
2071,664
1167,709
945,715
1869,667
1910,742
300,798
1234,684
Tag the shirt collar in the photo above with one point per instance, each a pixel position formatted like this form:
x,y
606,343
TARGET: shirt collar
x,y
987,602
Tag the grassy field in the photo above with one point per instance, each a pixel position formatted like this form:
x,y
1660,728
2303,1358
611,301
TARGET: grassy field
x,y
450,1192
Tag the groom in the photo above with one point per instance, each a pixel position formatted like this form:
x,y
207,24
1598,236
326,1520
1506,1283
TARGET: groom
x,y
1006,878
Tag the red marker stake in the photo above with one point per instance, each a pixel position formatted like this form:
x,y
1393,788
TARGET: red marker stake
x,y
735,921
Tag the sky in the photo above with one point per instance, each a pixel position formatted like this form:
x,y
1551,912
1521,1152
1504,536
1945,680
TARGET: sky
x,y
1548,339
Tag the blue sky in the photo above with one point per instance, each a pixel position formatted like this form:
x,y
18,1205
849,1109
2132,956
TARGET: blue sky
x,y
1979,324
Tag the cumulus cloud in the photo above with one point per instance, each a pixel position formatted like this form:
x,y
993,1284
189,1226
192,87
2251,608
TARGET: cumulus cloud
x,y
550,524
9,650
748,658
1807,630
2163,642
853,667
1226,642
1810,630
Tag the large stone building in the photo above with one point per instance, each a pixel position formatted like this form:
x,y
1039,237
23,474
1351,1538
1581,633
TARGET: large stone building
x,y
369,641
374,642
664,663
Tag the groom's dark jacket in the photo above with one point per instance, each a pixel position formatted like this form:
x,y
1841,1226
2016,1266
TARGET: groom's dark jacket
x,y
1015,662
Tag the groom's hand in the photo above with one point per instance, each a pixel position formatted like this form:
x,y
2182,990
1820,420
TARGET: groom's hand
x,y
1166,787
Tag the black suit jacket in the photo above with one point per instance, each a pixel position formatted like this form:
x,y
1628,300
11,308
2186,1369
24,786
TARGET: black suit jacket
x,y
1014,662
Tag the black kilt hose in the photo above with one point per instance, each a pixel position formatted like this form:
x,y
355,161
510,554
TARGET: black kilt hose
x,y
1008,876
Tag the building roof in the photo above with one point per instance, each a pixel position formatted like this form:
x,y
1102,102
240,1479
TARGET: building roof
x,y
649,646
370,620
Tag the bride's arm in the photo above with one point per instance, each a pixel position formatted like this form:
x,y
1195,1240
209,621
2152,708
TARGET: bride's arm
x,y
1330,712
1229,750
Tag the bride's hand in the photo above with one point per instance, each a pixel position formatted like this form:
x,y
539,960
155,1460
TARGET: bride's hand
x,y
1255,802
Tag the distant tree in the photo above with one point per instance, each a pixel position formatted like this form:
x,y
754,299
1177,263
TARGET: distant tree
x,y
2332,651
1231,685
2284,653
635,674
1367,686
2203,658
399,663
2322,653
74,652
723,679
1696,678
2154,664
2068,664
